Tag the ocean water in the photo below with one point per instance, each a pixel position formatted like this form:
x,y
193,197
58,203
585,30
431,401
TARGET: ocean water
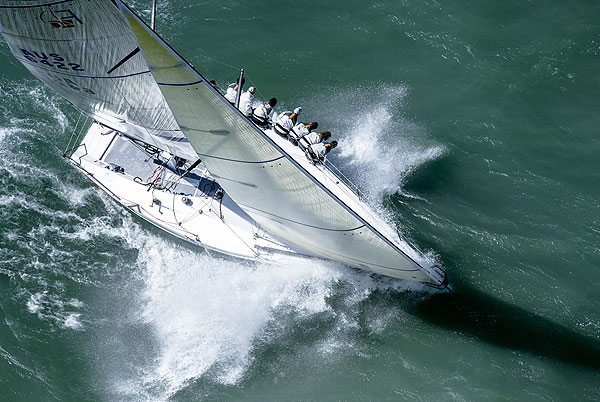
x,y
473,127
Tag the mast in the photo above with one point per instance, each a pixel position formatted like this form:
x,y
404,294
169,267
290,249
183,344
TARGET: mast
x,y
153,14
239,89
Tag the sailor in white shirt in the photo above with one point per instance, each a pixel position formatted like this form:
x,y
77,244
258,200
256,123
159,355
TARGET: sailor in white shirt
x,y
263,114
286,121
246,100
300,130
320,149
315,138
231,92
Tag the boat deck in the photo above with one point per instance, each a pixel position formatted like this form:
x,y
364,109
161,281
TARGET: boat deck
x,y
194,207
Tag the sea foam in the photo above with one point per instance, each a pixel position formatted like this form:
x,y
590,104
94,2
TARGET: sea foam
x,y
209,312
378,147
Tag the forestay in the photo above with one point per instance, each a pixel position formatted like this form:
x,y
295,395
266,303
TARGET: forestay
x,y
268,184
86,52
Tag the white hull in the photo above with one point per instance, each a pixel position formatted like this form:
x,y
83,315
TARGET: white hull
x,y
200,218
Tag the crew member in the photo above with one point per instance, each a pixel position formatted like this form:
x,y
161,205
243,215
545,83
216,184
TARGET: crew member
x,y
320,149
246,100
300,130
286,121
213,84
263,114
232,89
315,138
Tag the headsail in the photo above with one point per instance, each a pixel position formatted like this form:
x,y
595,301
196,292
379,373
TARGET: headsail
x,y
86,52
265,181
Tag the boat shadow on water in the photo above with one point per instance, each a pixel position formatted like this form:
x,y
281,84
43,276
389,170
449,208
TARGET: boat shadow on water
x,y
476,314
479,315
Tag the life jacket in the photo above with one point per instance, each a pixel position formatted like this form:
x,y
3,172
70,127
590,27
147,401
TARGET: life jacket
x,y
285,123
246,103
261,114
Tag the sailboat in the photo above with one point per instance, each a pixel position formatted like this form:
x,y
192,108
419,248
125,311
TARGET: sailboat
x,y
170,148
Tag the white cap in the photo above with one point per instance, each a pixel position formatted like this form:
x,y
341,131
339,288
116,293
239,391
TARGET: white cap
x,y
252,90
298,110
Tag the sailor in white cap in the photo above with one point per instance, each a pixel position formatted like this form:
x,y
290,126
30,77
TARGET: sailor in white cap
x,y
246,100
232,89
286,121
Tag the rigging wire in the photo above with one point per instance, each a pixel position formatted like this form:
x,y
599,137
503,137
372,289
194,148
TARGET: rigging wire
x,y
254,85
209,58
213,59
72,134
76,143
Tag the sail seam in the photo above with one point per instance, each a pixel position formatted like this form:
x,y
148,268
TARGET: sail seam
x,y
173,84
302,224
371,263
239,161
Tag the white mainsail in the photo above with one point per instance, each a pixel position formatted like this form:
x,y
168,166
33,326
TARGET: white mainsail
x,y
86,52
273,188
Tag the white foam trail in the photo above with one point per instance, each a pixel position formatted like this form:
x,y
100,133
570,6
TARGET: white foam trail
x,y
71,321
30,108
208,312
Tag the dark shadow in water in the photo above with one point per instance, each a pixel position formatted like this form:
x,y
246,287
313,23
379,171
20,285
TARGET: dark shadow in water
x,y
433,176
482,316
508,326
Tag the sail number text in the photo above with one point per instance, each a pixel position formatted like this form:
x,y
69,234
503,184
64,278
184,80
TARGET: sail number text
x,y
52,60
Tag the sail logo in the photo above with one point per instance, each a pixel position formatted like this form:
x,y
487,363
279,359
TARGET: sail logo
x,y
60,18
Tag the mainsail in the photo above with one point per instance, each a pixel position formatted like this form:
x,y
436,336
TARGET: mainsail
x,y
86,52
266,182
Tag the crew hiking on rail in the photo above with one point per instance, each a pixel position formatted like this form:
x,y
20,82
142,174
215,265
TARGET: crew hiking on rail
x,y
314,144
